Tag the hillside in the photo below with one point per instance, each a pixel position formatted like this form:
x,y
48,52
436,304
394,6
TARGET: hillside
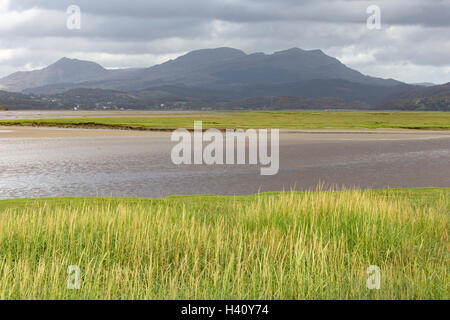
x,y
221,69
163,98
218,78
63,71
227,68
435,98
18,101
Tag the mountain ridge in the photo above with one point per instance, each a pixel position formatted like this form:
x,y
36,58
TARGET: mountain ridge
x,y
204,67
217,77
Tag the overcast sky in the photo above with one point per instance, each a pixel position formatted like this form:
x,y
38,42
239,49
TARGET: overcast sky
x,y
413,44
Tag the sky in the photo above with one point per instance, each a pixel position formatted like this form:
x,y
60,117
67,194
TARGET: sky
x,y
412,43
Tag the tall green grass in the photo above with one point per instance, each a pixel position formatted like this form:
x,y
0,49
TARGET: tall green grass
x,y
311,245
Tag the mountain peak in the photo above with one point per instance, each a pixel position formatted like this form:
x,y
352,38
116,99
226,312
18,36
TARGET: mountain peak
x,y
228,50
64,70
218,54
65,59
289,51
294,51
316,51
74,62
199,59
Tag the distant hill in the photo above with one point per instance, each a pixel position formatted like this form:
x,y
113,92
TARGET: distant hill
x,y
332,88
424,84
257,98
162,98
63,71
218,78
226,68
424,98
19,101
201,68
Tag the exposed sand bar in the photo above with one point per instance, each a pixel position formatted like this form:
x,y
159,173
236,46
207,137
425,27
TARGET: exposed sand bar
x,y
43,132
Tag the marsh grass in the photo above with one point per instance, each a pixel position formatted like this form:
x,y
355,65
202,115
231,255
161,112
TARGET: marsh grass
x,y
257,119
307,245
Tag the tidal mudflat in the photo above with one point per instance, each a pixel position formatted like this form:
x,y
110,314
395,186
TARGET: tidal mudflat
x,y
41,162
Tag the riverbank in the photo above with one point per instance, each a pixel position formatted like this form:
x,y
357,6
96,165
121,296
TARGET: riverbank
x,y
17,131
14,132
306,245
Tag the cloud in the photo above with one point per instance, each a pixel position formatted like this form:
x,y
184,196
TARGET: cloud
x,y
412,43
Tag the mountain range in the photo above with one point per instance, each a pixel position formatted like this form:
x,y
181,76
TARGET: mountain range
x,y
215,78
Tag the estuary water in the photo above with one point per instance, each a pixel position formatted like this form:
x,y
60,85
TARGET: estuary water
x,y
49,163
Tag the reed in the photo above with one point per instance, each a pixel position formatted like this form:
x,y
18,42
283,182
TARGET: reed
x,y
291,245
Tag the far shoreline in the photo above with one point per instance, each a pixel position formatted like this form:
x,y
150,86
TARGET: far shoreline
x,y
54,131
286,121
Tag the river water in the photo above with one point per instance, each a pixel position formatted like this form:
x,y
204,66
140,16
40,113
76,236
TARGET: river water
x,y
140,166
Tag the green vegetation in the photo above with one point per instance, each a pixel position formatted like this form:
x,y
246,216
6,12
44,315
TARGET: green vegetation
x,y
261,119
293,245
2,108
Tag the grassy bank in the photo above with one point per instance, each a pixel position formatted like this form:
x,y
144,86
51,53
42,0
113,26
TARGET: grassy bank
x,y
273,246
262,119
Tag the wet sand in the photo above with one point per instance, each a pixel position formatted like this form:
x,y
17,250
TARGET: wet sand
x,y
62,114
42,132
42,162
288,134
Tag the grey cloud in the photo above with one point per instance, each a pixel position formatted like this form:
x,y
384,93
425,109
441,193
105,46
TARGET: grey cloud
x,y
414,32
398,12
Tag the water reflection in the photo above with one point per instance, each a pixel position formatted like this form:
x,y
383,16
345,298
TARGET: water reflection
x,y
141,167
